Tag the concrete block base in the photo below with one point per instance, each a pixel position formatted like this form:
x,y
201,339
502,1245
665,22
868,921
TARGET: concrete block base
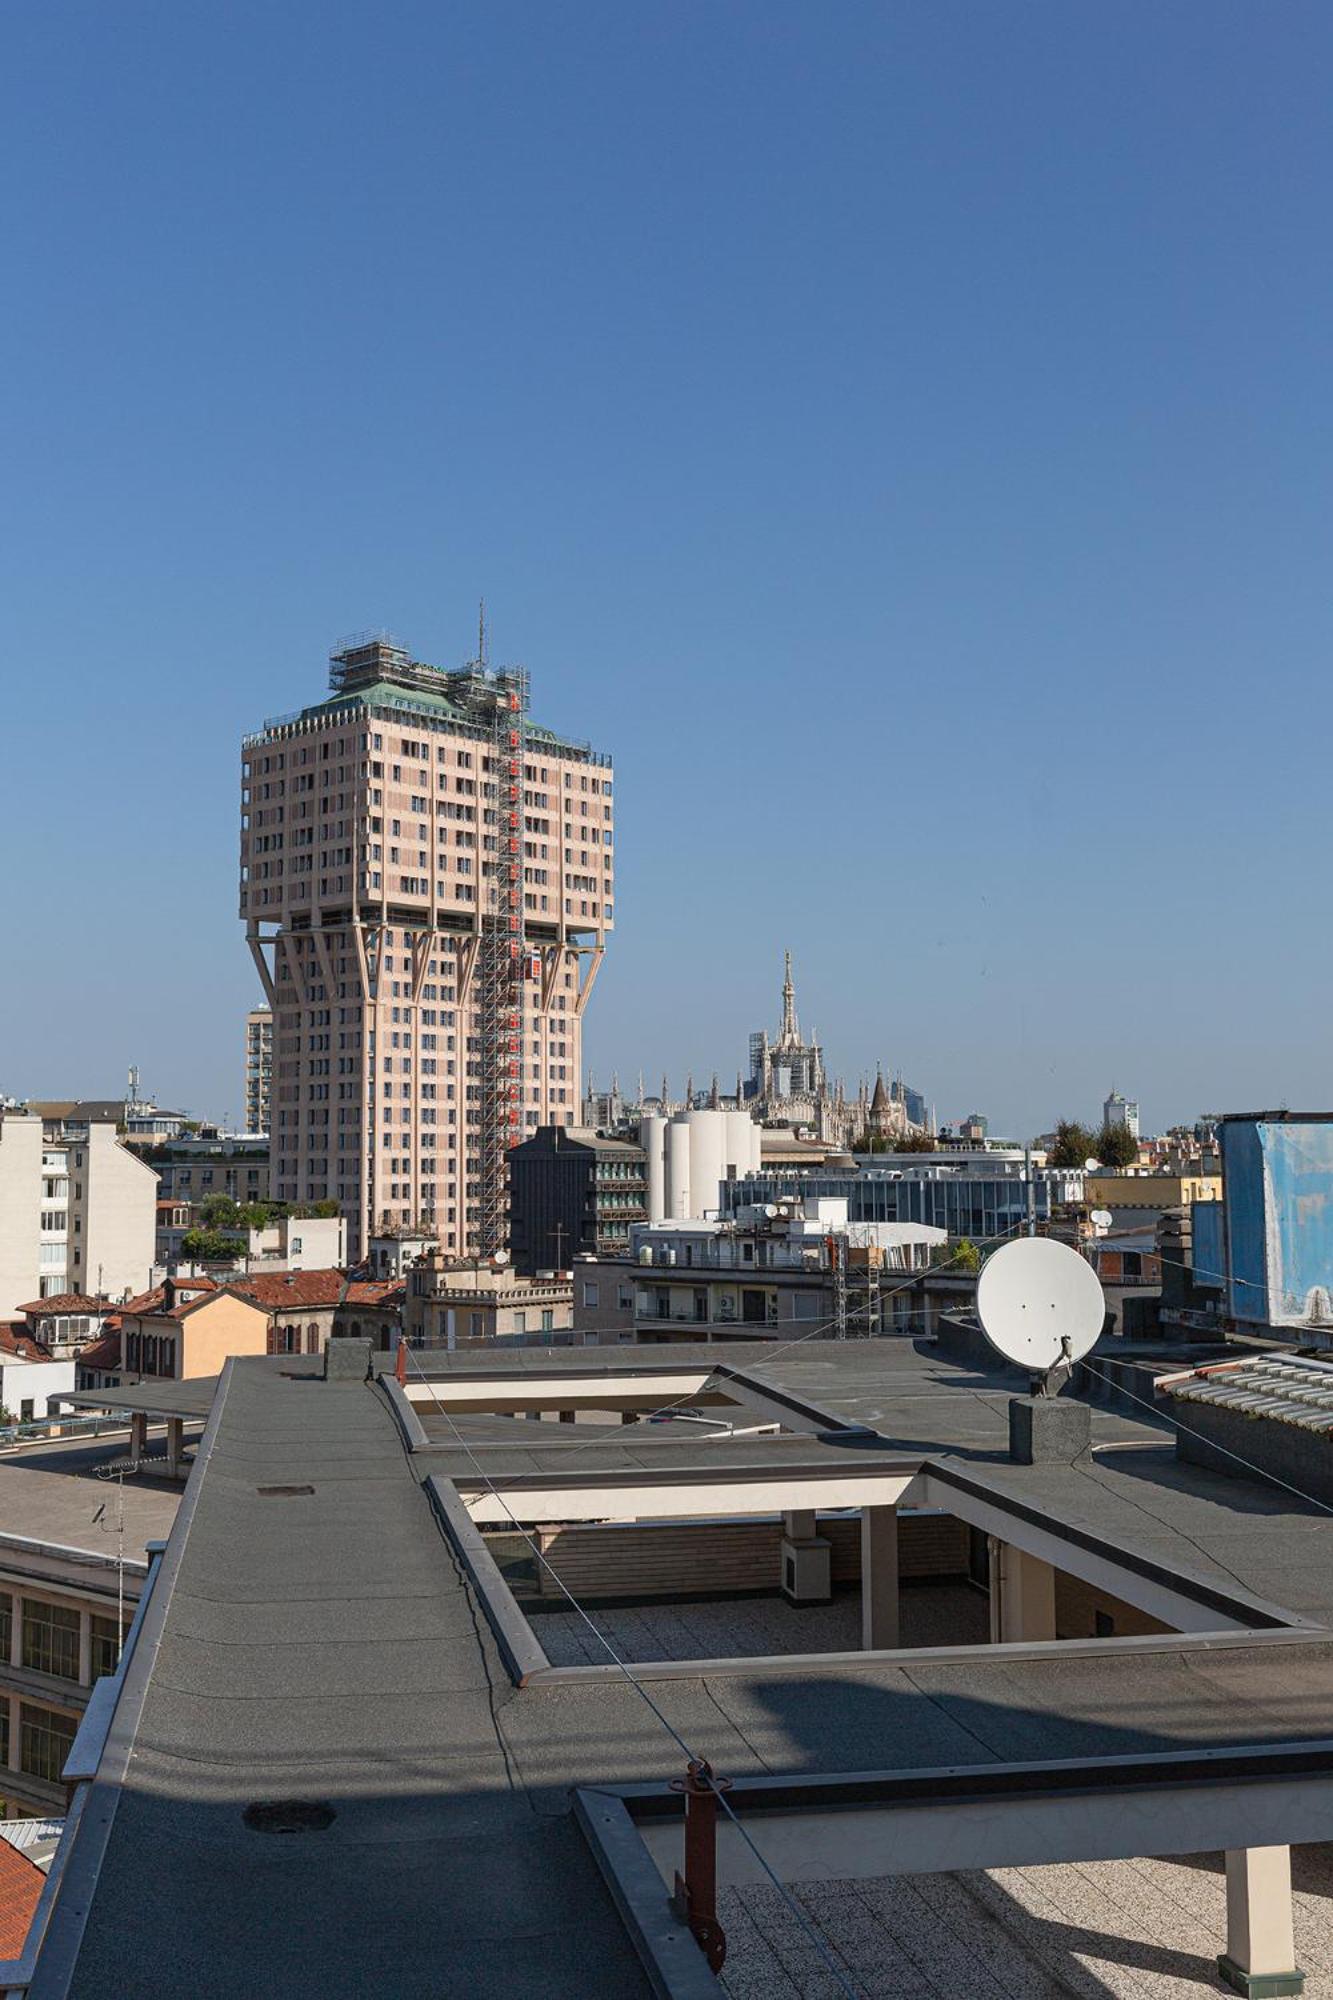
x,y
347,1360
1048,1430
1258,1985
807,1570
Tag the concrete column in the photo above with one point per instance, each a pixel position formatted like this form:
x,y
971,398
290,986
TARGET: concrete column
x,y
16,1633
15,1746
1260,1958
85,1648
139,1434
879,1577
175,1443
1022,1596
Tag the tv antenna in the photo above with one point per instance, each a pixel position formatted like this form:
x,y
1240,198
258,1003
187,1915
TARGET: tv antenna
x,y
1040,1305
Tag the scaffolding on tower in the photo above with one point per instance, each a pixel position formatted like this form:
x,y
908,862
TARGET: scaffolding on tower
x,y
502,962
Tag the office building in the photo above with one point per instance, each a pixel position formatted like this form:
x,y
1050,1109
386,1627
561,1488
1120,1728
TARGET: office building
x,y
1121,1114
190,1169
258,1067
573,1193
427,884
982,1196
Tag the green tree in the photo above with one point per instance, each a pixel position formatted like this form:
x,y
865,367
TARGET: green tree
x,y
1074,1144
914,1142
218,1211
208,1246
254,1215
960,1256
1115,1146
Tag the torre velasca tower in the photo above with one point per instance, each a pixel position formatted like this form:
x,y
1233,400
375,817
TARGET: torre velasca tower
x,y
427,884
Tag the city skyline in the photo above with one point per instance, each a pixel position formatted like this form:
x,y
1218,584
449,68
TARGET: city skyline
x,y
882,492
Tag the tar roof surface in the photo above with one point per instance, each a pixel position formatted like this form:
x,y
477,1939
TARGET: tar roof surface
x,y
50,1493
917,1401
326,1646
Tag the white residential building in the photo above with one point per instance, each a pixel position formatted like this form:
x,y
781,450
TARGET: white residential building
x,y
77,1211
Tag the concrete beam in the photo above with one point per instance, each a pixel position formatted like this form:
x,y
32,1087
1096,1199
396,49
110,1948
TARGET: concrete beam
x,y
684,1495
1029,1830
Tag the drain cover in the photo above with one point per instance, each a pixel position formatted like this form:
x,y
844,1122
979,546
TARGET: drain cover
x,y
288,1816
282,1492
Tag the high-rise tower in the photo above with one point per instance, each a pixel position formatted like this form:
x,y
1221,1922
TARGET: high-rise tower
x,y
427,886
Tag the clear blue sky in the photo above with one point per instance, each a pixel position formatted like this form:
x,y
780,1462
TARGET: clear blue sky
x,y
900,434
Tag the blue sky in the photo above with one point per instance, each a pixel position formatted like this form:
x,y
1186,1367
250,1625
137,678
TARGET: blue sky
x,y
899,434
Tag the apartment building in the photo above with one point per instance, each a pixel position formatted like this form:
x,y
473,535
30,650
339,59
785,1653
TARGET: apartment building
x,y
258,1067
65,1597
449,1305
387,833
778,1271
77,1211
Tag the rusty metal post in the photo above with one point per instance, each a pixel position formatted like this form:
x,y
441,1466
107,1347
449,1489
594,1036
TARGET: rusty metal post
x,y
400,1362
696,1894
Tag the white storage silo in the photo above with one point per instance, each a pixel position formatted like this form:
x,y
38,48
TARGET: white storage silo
x,y
677,1191
707,1147
652,1137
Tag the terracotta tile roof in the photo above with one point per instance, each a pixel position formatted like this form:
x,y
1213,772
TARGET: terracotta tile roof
x,y
278,1290
104,1353
16,1339
20,1886
147,1303
65,1302
281,1291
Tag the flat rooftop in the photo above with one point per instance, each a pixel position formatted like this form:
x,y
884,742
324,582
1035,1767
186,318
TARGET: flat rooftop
x,y
50,1493
316,1634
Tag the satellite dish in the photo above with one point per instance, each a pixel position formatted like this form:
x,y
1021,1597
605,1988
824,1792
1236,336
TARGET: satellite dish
x,y
500,1259
1102,1218
1040,1303
1092,1166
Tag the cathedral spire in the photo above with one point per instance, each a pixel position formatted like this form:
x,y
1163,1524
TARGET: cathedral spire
x,y
791,1032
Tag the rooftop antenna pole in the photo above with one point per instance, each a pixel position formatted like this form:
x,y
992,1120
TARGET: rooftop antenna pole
x,y
481,635
120,1567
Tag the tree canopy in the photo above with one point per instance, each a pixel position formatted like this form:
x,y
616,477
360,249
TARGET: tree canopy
x,y
1074,1144
1116,1146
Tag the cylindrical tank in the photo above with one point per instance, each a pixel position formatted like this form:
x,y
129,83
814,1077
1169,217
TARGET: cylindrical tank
x,y
677,1192
742,1145
652,1137
707,1147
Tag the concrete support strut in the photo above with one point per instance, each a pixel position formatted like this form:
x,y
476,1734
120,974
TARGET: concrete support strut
x,y
1260,1958
879,1578
138,1435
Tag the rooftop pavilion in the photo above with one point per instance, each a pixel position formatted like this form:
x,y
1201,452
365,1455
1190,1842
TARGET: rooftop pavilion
x,y
337,1757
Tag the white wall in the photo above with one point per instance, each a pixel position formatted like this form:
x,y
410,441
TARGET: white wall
x,y
114,1195
20,1208
40,1380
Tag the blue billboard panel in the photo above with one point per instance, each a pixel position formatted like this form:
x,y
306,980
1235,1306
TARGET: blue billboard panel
x,y
1278,1192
